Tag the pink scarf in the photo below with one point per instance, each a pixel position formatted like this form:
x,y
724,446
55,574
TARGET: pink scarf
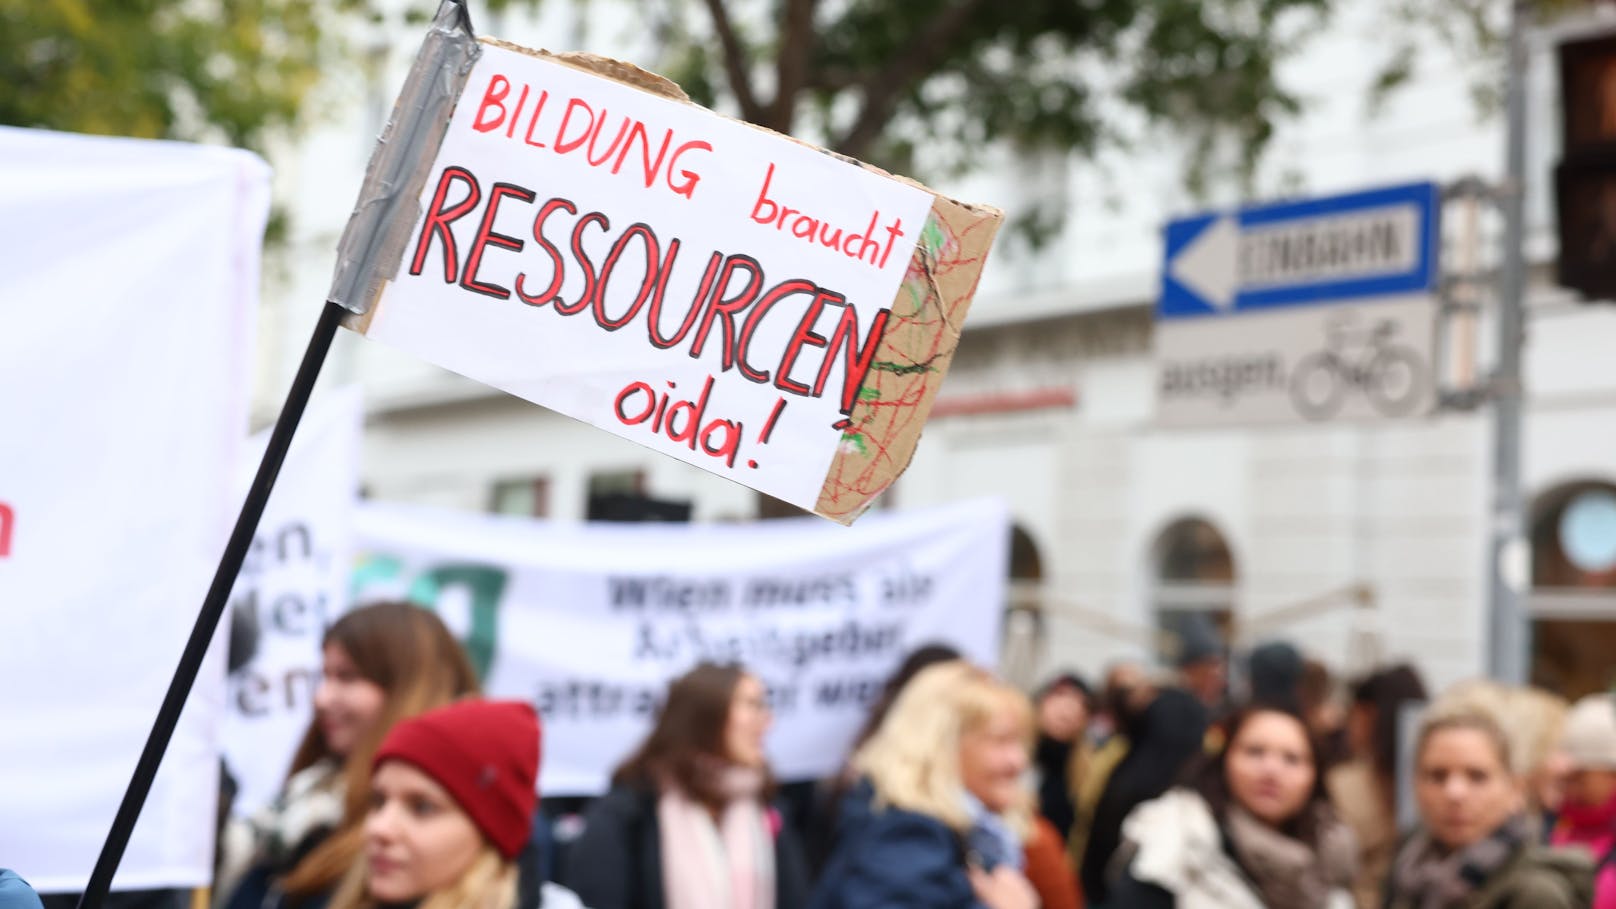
x,y
723,865
1592,827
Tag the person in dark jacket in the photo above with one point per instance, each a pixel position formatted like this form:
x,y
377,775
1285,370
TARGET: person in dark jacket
x,y
825,817
688,823
940,815
1064,706
1165,737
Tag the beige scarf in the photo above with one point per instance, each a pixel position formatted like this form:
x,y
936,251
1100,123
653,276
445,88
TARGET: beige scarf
x,y
1288,872
724,865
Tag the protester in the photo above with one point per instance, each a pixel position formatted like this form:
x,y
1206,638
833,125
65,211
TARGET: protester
x,y
451,799
1121,679
1203,669
1533,720
1364,789
1063,706
1252,828
1167,737
826,815
687,823
383,663
15,892
1274,675
1323,712
1127,692
1588,815
939,816
1475,848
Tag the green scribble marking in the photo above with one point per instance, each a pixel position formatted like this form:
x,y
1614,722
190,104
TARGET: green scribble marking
x,y
869,394
901,369
932,236
856,440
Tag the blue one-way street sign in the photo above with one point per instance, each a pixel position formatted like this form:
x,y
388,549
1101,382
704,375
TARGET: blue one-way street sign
x,y
1334,249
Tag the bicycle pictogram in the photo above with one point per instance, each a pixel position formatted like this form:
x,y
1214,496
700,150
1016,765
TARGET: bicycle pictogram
x,y
1367,361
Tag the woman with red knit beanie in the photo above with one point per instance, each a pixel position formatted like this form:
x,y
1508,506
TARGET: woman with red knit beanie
x,y
688,823
452,796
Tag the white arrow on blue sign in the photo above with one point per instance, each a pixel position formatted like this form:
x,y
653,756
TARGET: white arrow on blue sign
x,y
1333,249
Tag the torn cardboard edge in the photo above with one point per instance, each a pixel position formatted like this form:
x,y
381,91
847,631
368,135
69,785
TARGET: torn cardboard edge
x,y
917,346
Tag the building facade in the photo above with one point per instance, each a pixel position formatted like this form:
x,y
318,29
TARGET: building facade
x,y
1359,542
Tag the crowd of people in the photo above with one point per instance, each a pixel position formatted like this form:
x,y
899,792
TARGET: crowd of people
x,y
960,792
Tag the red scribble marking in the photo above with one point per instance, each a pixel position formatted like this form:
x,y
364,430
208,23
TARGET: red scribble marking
x,y
893,409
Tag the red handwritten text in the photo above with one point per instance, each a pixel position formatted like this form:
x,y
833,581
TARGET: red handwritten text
x,y
731,300
810,229
575,125
639,404
8,523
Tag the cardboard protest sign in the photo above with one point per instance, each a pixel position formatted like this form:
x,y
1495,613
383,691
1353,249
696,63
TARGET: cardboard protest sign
x,y
574,231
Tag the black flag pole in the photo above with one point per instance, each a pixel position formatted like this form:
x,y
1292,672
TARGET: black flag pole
x,y
213,606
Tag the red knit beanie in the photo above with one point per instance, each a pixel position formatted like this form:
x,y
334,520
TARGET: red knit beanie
x,y
486,754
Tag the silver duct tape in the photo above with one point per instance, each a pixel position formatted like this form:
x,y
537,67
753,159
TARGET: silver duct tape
x,y
372,245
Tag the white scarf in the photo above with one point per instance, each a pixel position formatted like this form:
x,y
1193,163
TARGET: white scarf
x,y
723,865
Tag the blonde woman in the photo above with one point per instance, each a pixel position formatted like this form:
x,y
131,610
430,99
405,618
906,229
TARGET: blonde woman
x,y
1476,848
451,808
940,813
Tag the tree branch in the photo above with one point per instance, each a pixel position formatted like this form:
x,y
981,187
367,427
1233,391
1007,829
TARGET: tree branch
x,y
834,79
735,62
883,88
796,47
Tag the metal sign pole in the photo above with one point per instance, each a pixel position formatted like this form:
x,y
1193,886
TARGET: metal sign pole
x,y
1509,633
213,606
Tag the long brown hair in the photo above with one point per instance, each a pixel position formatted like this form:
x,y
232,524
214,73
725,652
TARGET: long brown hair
x,y
689,737
1209,777
408,652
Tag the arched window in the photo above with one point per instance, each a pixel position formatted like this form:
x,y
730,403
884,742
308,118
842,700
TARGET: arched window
x,y
1194,589
1023,632
1573,602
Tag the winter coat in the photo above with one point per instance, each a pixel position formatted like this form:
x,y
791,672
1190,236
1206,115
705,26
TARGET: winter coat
x,y
1593,830
889,858
616,863
255,852
1165,737
1049,868
1054,761
1535,878
1179,858
1356,794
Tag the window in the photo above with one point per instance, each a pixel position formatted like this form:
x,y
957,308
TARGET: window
x,y
527,497
1573,601
619,495
1195,587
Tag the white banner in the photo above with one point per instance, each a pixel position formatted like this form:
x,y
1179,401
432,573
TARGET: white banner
x,y
590,622
126,325
293,584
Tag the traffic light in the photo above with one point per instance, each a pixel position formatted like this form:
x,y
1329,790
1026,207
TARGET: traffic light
x,y
1585,178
